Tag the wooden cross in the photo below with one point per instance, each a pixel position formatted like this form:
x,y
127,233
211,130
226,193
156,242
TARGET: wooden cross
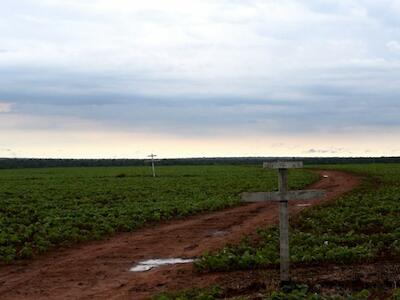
x,y
283,197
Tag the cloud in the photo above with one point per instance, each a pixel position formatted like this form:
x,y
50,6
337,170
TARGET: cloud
x,y
394,46
5,107
325,151
202,68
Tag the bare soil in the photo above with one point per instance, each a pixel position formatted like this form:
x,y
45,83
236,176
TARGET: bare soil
x,y
100,269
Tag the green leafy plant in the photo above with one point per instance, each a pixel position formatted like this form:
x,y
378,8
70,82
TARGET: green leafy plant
x,y
43,208
363,225
192,294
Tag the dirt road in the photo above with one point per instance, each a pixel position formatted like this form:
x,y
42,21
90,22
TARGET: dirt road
x,y
100,270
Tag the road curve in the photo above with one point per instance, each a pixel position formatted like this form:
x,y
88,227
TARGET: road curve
x,y
100,269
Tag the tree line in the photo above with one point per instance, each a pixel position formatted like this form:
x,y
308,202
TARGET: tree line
x,y
14,163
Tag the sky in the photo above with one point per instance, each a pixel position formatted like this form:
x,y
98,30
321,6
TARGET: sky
x,y
194,78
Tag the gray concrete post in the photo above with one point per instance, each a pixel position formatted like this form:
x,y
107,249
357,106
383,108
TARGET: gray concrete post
x,y
152,164
152,167
284,227
283,196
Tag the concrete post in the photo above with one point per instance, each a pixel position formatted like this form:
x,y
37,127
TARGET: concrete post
x,y
284,227
283,196
152,167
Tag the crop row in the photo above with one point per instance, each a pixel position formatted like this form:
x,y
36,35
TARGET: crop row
x,y
299,292
362,226
43,208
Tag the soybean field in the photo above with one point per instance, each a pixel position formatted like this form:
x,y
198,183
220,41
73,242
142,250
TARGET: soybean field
x,y
41,209
359,227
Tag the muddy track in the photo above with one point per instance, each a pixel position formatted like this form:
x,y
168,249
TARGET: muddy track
x,y
100,269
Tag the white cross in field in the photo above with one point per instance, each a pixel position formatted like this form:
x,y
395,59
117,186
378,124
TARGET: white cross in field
x,y
283,197
152,164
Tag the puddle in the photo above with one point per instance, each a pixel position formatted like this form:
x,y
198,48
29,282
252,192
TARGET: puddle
x,y
219,233
154,263
303,205
216,233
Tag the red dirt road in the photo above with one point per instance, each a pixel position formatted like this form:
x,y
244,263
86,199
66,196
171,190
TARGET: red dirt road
x,y
100,270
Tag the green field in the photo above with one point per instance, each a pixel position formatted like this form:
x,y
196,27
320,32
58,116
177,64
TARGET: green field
x,y
361,226
44,208
300,292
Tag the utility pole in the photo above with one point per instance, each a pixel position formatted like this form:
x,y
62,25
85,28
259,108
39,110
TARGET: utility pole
x,y
152,164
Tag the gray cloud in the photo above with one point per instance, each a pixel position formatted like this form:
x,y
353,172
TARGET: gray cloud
x,y
219,67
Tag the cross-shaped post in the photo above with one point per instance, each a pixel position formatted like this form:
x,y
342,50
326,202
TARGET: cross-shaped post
x,y
152,164
283,197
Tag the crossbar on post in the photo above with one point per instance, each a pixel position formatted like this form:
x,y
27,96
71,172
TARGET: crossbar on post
x,y
152,164
283,197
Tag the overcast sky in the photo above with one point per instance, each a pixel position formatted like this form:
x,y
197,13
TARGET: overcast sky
x,y
100,78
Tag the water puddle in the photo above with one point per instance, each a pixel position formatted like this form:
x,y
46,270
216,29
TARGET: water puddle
x,y
154,263
219,233
216,233
303,205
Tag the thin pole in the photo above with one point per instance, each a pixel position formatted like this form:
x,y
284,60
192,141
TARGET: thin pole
x,y
284,227
152,164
